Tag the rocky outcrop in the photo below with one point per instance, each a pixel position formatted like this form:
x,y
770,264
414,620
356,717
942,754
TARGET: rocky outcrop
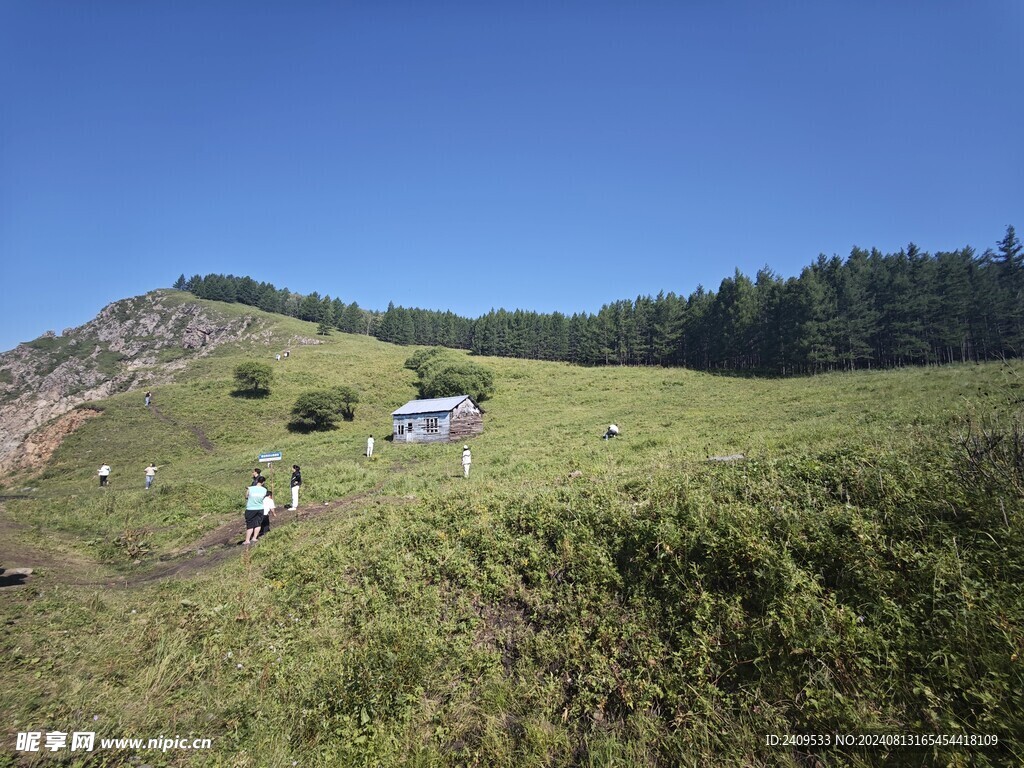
x,y
37,449
132,344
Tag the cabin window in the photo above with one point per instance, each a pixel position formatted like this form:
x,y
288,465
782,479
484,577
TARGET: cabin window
x,y
409,428
432,428
401,428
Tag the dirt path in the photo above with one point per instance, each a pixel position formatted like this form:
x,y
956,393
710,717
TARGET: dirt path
x,y
19,550
214,548
204,441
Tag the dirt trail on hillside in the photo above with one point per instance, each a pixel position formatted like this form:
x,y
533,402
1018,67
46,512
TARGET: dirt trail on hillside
x,y
204,441
21,549
214,548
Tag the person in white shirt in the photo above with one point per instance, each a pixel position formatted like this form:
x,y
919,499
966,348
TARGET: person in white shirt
x,y
467,460
150,474
104,474
268,509
369,446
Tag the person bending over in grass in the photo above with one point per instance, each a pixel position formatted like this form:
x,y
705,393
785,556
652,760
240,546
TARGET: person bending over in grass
x,y
268,510
254,496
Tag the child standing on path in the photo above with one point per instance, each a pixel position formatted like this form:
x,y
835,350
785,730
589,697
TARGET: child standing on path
x,y
149,396
296,482
467,460
268,509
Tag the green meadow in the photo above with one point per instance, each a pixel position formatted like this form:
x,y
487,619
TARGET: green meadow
x,y
575,602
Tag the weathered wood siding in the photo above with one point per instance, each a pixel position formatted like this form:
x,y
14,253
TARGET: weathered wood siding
x,y
418,433
465,421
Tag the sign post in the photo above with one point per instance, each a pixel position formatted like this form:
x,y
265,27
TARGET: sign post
x,y
269,458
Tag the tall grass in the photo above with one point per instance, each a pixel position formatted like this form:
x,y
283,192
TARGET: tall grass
x,y
575,602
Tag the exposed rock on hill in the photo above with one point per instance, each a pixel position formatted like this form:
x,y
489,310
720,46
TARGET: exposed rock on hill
x,y
37,448
132,344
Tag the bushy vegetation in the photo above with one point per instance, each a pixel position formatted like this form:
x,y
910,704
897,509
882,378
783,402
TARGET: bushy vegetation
x,y
322,408
254,378
443,374
580,603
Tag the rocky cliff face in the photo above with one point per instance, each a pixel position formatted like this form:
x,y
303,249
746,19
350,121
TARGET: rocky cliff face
x,y
135,343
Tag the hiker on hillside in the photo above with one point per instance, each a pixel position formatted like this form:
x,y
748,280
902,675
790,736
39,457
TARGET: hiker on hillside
x,y
613,431
369,446
149,397
269,508
254,496
104,473
296,482
467,460
150,474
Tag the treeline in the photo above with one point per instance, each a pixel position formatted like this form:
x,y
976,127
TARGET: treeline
x,y
869,310
350,318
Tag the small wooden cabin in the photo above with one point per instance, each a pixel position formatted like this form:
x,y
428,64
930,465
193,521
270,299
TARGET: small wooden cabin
x,y
441,419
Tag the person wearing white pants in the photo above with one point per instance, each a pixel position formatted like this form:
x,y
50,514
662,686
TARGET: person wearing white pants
x,y
467,460
369,446
296,482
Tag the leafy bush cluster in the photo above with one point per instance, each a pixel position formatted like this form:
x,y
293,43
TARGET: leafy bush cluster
x,y
321,409
253,378
444,374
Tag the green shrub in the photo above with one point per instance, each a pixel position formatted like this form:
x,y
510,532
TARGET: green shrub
x,y
458,378
320,409
254,378
423,356
442,374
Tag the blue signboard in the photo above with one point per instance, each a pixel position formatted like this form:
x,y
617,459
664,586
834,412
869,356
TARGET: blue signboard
x,y
268,457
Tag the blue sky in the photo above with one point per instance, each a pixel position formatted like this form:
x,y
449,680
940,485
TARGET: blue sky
x,y
465,155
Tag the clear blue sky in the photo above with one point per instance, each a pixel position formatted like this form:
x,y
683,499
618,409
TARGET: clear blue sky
x,y
467,155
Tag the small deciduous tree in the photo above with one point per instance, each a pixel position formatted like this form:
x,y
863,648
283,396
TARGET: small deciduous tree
x,y
254,378
320,409
348,398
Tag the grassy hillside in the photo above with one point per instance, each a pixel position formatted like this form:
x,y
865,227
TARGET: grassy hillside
x,y
575,602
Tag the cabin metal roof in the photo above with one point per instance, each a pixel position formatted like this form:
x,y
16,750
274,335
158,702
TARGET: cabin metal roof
x,y
434,405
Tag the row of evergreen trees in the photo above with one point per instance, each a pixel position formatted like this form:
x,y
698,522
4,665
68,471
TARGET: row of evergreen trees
x,y
869,310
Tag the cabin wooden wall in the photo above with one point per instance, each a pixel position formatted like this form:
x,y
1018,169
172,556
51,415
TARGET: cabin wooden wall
x,y
460,424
